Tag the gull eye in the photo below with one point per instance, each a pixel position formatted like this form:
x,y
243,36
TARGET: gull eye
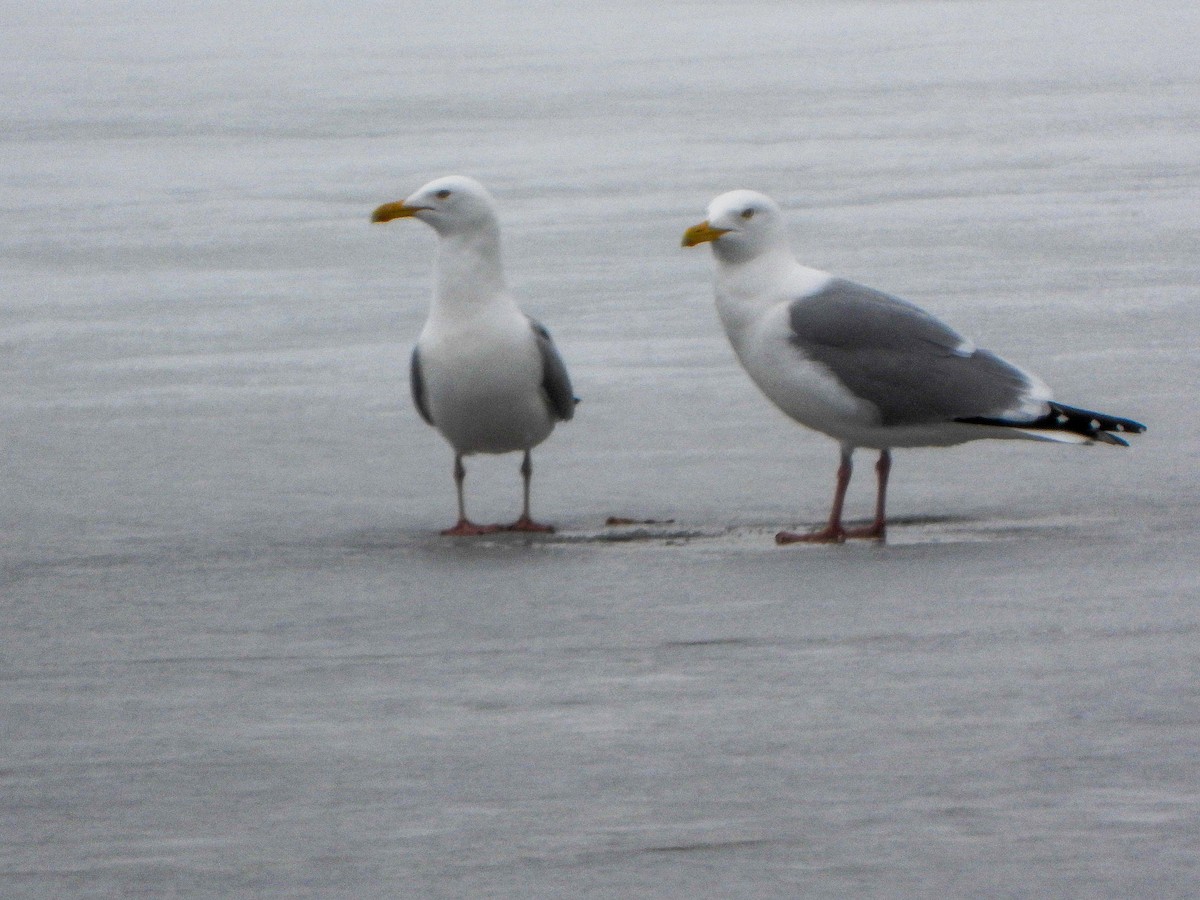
x,y
443,194
747,213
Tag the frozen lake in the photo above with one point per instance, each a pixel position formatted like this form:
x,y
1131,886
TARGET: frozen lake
x,y
237,660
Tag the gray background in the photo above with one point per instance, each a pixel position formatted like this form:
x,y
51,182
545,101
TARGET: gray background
x,y
238,661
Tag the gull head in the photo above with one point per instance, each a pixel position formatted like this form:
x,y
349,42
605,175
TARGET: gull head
x,y
740,226
454,204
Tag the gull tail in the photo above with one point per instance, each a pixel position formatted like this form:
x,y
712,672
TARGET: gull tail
x,y
1069,424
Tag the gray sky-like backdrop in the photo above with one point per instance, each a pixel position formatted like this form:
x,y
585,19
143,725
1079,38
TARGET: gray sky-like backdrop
x,y
238,660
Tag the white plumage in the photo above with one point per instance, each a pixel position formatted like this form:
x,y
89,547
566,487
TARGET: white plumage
x,y
484,374
866,368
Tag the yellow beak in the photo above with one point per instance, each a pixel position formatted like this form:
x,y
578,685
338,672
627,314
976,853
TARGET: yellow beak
x,y
702,233
396,210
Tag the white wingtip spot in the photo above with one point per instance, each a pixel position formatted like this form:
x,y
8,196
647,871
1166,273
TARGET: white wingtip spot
x,y
1094,425
1061,419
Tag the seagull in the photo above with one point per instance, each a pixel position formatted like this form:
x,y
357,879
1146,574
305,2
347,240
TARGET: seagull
x,y
484,374
866,368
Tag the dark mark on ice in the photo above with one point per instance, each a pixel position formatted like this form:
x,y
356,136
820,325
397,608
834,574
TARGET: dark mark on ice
x,y
911,530
709,642
613,521
709,846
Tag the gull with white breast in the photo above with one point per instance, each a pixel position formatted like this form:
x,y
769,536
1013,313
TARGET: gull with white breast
x,y
484,374
864,367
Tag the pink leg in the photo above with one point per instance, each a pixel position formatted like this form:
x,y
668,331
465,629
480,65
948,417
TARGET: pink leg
x,y
833,533
464,527
877,530
525,522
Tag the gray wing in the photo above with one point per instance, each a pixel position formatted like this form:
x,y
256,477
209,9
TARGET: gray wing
x,y
417,382
555,380
911,366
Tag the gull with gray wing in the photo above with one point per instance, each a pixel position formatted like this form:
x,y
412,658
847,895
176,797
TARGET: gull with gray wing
x,y
864,367
484,374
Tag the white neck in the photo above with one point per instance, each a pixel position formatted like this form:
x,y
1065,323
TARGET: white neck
x,y
468,273
746,287
746,291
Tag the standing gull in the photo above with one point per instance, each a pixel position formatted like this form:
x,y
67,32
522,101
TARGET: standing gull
x,y
866,368
484,374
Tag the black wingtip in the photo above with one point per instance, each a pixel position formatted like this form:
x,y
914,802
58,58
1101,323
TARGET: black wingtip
x,y
1096,426
1131,426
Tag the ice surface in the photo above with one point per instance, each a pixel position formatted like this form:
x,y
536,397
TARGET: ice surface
x,y
237,659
